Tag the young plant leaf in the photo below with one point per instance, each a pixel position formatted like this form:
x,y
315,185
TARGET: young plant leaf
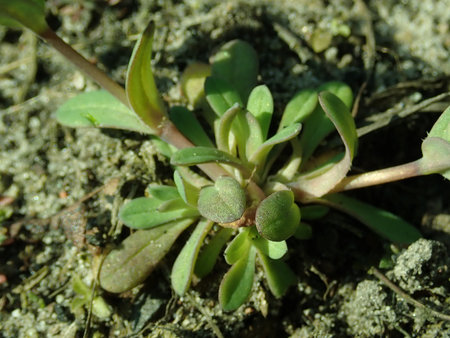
x,y
99,109
224,128
224,202
162,147
238,247
277,216
304,231
318,125
278,274
26,13
299,107
192,82
436,147
210,252
237,64
387,225
338,114
135,258
274,250
145,213
187,123
198,155
220,95
253,135
188,192
260,104
313,212
162,192
259,156
237,283
183,267
140,86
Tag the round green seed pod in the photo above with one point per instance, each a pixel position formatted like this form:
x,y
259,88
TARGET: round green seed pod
x,y
277,216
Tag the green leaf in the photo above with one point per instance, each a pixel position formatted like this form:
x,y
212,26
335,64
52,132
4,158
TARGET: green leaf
x,y
278,274
299,107
192,82
144,213
318,125
304,231
260,104
252,133
237,283
99,109
135,258
380,221
224,128
27,13
237,64
312,212
187,123
274,250
436,147
259,156
163,147
198,155
338,114
210,252
188,192
183,267
277,216
224,202
220,95
140,86
238,247
162,192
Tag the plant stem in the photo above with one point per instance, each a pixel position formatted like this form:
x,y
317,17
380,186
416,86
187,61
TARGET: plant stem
x,y
396,173
85,66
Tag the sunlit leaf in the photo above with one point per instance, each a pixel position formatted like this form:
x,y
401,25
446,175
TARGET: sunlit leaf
x,y
140,83
144,213
278,274
162,192
299,107
198,155
274,250
224,202
99,109
253,135
238,247
237,63
187,123
193,80
183,267
135,258
237,283
210,252
282,136
188,192
224,128
27,13
339,115
260,104
380,221
220,95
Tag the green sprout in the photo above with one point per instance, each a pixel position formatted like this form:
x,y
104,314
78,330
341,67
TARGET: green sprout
x,y
259,180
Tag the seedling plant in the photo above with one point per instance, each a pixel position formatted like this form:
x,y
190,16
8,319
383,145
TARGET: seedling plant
x,y
244,180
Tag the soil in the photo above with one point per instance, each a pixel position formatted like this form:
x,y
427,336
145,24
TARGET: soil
x,y
400,48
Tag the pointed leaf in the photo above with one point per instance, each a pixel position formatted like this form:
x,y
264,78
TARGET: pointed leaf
x,y
210,252
143,213
237,283
162,192
187,123
237,63
299,107
29,13
99,109
220,95
135,258
224,202
260,104
140,84
338,114
198,155
183,267
259,156
278,274
380,221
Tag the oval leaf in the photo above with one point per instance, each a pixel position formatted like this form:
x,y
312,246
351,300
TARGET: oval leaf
x,y
278,274
238,247
99,109
260,104
135,258
220,95
299,107
224,202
